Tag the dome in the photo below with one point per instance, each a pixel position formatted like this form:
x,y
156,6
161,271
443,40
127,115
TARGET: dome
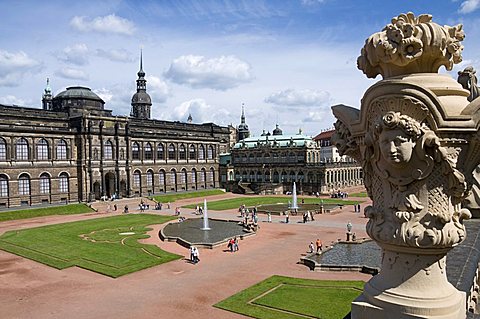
x,y
78,92
141,97
277,131
243,127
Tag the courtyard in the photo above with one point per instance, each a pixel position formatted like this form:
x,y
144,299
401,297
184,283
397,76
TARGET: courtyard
x,y
176,288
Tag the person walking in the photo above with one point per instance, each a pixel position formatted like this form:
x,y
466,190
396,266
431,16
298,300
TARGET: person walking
x,y
196,255
319,245
235,244
287,217
192,253
269,217
311,247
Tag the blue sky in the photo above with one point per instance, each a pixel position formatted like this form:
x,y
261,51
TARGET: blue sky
x,y
287,61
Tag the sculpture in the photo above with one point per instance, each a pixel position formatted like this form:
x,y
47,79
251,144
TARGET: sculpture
x,y
468,80
416,137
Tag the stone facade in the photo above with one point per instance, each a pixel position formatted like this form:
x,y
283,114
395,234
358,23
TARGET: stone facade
x,y
75,150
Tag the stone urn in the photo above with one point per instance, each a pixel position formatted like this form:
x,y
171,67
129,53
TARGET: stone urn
x,y
416,137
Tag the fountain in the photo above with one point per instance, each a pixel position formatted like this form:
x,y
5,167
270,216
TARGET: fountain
x,y
205,216
294,197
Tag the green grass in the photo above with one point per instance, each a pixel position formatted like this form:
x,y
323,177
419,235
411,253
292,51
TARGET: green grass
x,y
361,194
95,244
177,196
259,200
281,297
45,211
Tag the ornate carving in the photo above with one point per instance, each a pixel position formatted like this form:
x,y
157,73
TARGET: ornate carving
x,y
402,153
468,80
411,45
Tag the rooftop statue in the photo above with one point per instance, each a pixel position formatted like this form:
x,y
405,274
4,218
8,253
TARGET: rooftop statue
x,y
468,80
416,137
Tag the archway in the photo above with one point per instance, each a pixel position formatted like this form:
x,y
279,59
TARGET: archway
x,y
123,188
96,190
109,184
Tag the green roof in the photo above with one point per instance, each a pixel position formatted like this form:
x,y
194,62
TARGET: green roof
x,y
298,140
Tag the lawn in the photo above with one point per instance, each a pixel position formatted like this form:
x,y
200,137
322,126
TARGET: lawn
x,y
259,200
177,196
45,211
281,297
105,245
361,194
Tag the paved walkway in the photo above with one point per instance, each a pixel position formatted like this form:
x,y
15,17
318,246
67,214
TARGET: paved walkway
x,y
174,290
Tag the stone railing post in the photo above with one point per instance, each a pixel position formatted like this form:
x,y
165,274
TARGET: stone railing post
x,y
416,136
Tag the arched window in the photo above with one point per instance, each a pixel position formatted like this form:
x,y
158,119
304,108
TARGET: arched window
x,y
173,178
192,154
135,151
62,150
201,152
194,176
182,153
161,177
3,150
148,152
171,152
149,178
42,150
24,185
202,176
136,179
183,176
210,152
21,150
160,152
63,183
3,186
108,150
44,183
211,176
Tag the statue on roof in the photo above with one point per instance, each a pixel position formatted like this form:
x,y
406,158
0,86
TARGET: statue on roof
x,y
468,80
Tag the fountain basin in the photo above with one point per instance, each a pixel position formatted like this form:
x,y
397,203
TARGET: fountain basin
x,y
189,232
278,209
361,255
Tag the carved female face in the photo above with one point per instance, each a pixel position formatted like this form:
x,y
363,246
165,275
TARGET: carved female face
x,y
396,146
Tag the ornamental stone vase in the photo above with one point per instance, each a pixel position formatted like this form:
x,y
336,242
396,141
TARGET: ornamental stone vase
x,y
416,137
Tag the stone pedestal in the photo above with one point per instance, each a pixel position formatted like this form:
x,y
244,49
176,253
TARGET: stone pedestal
x,y
416,136
410,286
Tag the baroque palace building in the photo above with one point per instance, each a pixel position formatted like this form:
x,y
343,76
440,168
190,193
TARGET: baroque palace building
x,y
73,149
270,163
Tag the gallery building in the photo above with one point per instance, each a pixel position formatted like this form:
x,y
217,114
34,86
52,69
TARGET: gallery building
x,y
73,149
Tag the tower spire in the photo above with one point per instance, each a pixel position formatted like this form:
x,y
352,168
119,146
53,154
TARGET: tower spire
x,y
141,101
47,98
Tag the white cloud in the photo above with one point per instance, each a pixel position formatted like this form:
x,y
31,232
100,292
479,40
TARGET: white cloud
x,y
292,97
312,2
469,6
11,99
158,89
106,24
72,73
120,55
201,112
222,73
76,54
14,66
117,97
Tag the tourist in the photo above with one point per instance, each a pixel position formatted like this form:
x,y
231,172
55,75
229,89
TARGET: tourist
x,y
231,244
269,217
287,217
168,205
196,255
115,207
319,245
311,216
192,250
311,247
140,206
125,209
305,216
235,244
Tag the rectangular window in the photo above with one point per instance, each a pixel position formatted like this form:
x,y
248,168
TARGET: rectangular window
x,y
3,188
63,184
42,152
3,152
24,186
44,186
22,152
149,179
136,180
62,152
